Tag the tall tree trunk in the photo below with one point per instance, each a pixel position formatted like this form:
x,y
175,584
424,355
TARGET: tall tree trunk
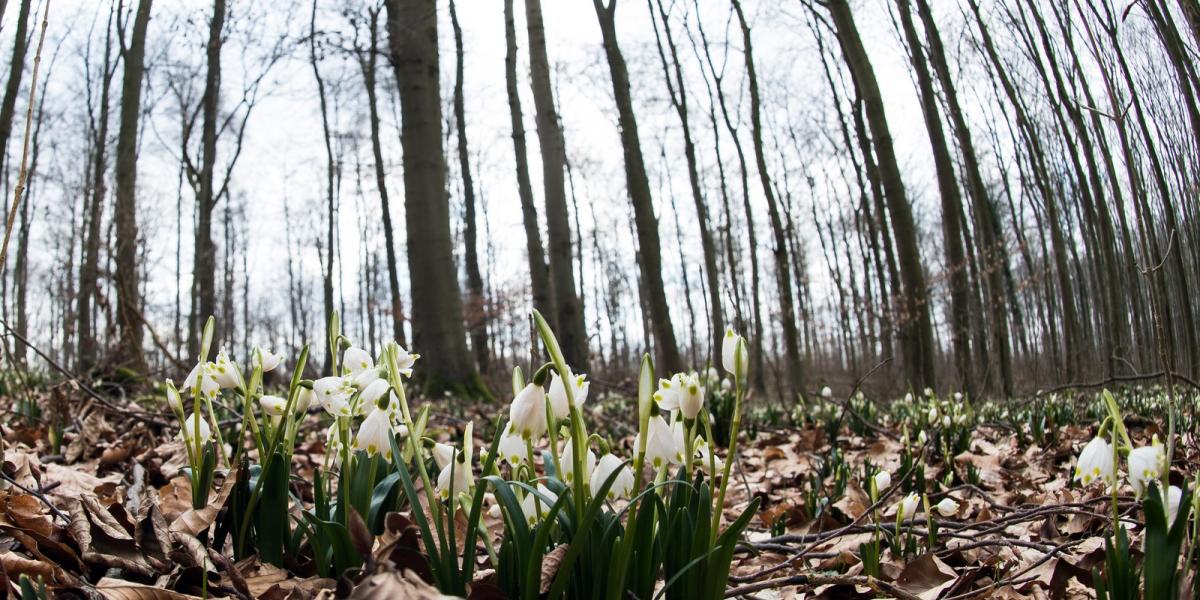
x,y
952,240
205,262
367,64
572,334
679,96
649,247
791,343
89,270
331,181
436,303
990,239
476,311
539,273
917,326
125,214
8,107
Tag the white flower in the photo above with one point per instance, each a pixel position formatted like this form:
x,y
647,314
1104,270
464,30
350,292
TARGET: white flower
x,y
703,452
334,394
691,395
946,420
443,454
908,397
883,481
527,413
958,396
304,399
1146,464
928,392
567,459
906,508
202,372
1174,497
375,434
922,438
933,414
405,360
947,507
1096,462
667,395
273,405
374,391
189,429
267,360
512,448
622,485
536,507
456,478
356,360
558,394
826,393
173,399
660,443
225,371
729,346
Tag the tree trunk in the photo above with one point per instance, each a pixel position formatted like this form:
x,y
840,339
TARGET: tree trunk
x,y
8,106
794,367
89,271
477,317
330,190
952,234
125,214
571,332
649,247
436,304
916,323
205,263
539,273
367,65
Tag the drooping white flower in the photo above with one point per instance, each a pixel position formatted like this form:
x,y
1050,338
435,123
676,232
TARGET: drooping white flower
x,y
513,448
456,478
304,399
536,507
947,507
1145,465
703,452
958,396
826,393
405,360
1174,497
225,371
267,360
567,460
729,358
189,430
202,372
375,434
928,392
334,394
527,413
373,392
558,394
443,454
906,508
273,405
946,421
667,395
660,443
883,481
356,360
622,485
922,438
691,395
1096,463
173,399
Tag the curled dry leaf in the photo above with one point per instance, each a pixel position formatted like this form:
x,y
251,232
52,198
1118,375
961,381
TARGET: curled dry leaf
x,y
119,589
387,585
193,521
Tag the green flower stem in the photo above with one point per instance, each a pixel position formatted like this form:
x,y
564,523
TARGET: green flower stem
x,y
579,435
397,382
730,456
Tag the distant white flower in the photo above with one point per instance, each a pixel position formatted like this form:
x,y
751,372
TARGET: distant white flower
x,y
535,507
1146,464
908,397
883,481
267,360
1096,462
947,507
273,405
622,485
928,392
922,438
906,508
189,430
567,460
660,443
375,434
933,414
225,371
513,448
958,396
946,421
826,393
558,394
527,413
1174,497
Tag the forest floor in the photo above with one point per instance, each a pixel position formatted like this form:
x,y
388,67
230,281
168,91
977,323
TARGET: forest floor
x,y
109,513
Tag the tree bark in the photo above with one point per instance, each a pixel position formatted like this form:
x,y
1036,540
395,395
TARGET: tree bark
x,y
330,190
125,214
571,332
649,247
436,303
205,252
917,326
89,270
